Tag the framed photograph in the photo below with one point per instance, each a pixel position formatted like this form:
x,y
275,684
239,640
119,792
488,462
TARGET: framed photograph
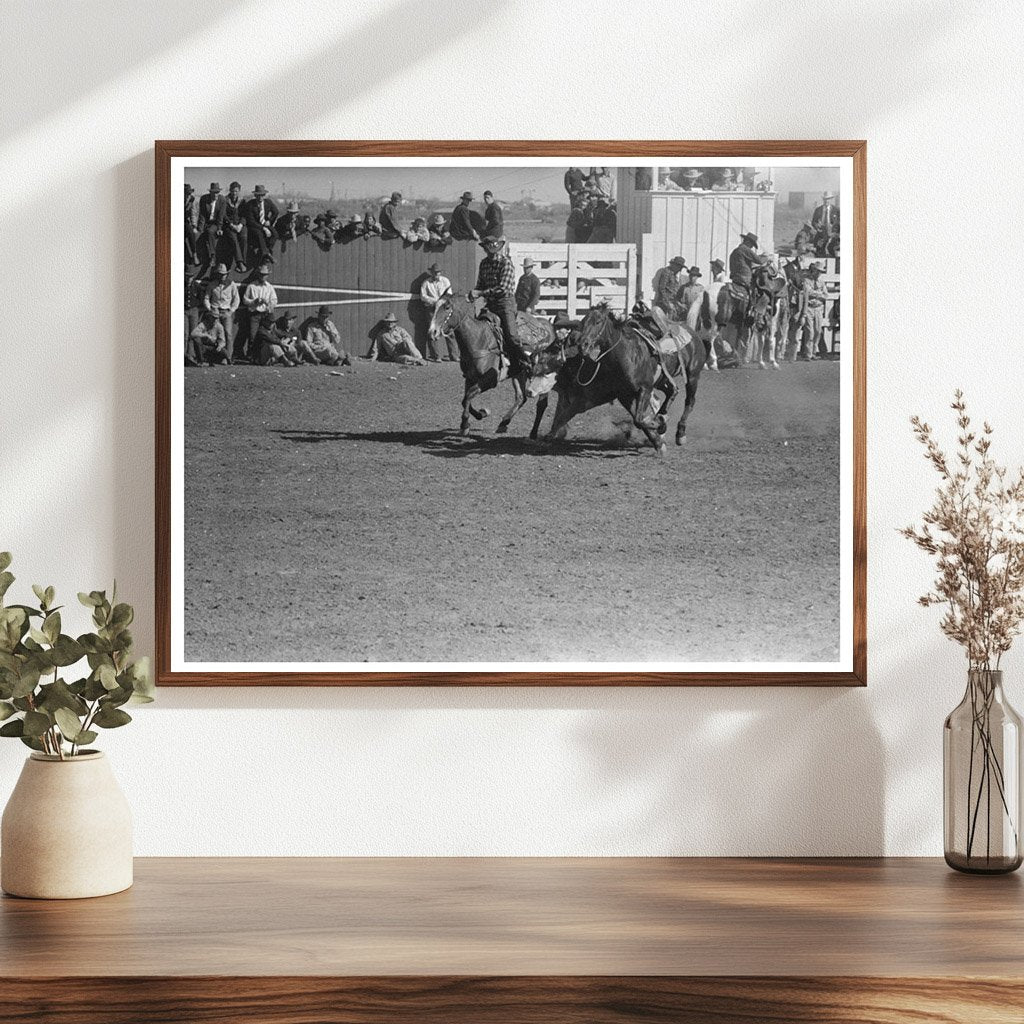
x,y
510,413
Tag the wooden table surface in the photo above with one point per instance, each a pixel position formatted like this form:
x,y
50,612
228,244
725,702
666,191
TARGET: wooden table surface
x,y
694,928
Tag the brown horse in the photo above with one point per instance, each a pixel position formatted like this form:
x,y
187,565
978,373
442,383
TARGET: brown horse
x,y
613,363
481,357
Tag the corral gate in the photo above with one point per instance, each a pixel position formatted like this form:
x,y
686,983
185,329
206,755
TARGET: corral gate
x,y
576,277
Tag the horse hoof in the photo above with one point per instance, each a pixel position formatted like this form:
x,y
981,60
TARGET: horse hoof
x,y
660,450
484,413
680,439
464,432
501,428
775,365
662,424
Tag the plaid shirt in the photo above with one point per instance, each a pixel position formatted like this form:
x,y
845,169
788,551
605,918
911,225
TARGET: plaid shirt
x,y
497,278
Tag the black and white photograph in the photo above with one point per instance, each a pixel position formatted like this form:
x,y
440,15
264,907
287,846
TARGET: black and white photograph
x,y
511,415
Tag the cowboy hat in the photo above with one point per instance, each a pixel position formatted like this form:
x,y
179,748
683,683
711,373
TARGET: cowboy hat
x,y
434,269
260,190
293,207
467,195
396,195
264,268
235,184
391,319
717,265
221,268
488,243
829,195
815,268
528,263
188,188
214,186
355,219
324,311
692,173
677,261
695,272
727,174
749,237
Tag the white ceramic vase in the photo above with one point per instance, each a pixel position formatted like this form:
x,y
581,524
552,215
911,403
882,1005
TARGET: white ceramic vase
x,y
66,831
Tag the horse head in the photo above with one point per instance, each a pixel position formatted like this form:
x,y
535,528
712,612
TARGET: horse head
x,y
595,329
448,314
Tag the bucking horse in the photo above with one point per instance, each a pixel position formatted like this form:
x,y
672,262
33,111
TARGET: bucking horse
x,y
481,357
633,360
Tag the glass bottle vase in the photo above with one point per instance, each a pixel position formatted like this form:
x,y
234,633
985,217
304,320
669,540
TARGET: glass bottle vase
x,y
981,771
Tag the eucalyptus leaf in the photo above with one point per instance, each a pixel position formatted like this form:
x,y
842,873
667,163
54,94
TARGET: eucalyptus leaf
x,y
69,724
36,723
6,579
142,678
59,695
39,636
31,741
50,595
6,710
40,593
5,559
67,651
89,600
122,615
86,736
107,676
110,717
51,626
16,727
27,681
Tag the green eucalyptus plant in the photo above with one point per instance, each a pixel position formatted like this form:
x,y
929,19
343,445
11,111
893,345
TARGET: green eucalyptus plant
x,y
46,712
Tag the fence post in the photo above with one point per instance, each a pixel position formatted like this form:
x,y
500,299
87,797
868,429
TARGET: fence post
x,y
570,281
630,277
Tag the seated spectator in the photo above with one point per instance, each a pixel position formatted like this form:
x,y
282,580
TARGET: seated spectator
x,y
288,333
394,344
599,182
390,221
289,226
323,339
325,229
370,225
260,213
440,236
461,224
352,228
268,346
234,244
208,341
726,181
494,218
418,232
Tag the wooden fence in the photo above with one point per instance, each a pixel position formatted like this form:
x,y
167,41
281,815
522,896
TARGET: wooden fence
x,y
576,277
365,279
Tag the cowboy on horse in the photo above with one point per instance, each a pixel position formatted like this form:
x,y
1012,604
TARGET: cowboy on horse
x,y
734,299
495,284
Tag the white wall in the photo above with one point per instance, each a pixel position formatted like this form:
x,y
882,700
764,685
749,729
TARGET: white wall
x,y
936,88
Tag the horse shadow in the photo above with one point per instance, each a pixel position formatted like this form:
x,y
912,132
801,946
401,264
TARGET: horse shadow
x,y
449,444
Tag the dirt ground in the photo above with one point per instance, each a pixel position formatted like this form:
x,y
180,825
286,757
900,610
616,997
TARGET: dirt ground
x,y
342,518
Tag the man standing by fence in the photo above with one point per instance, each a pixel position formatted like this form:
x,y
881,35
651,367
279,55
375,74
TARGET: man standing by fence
x,y
528,289
812,327
432,291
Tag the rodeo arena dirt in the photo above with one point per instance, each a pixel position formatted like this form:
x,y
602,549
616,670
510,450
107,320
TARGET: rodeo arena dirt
x,y
359,488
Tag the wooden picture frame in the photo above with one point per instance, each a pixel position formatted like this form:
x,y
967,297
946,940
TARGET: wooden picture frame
x,y
172,154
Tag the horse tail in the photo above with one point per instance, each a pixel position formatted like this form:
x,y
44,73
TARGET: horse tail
x,y
705,311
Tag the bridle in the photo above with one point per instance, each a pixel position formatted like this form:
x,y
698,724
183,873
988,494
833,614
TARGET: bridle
x,y
586,343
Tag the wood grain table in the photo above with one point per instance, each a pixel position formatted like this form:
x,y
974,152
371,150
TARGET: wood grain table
x,y
570,941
